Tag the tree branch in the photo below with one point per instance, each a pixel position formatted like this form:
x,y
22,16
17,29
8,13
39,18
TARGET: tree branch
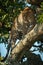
x,y
26,42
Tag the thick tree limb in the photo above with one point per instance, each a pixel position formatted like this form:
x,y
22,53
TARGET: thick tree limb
x,y
27,42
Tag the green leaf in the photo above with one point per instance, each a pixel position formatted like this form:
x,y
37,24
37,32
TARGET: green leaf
x,y
4,16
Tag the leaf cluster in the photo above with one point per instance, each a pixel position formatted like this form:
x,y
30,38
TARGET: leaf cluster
x,y
9,9
40,16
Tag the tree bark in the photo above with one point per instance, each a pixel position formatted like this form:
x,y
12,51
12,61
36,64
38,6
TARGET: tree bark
x,y
26,42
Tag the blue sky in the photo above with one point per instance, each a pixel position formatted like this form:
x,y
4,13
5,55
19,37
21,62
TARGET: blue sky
x,y
37,52
3,49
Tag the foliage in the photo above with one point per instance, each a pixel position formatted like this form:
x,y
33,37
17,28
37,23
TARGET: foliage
x,y
9,9
1,58
40,16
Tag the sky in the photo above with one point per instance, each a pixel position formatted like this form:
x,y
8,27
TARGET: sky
x,y
3,49
37,52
